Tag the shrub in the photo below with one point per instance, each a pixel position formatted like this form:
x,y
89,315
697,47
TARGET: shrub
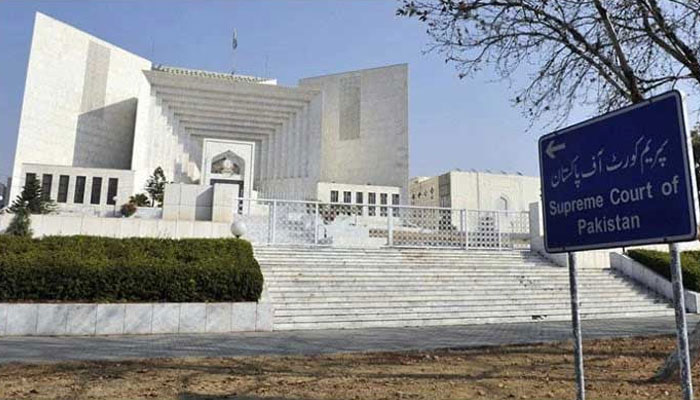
x,y
139,200
659,262
128,209
85,268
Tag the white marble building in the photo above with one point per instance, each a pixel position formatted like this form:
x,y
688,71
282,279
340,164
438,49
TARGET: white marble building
x,y
4,195
475,190
97,120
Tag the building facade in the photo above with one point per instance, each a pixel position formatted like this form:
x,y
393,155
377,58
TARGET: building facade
x,y
4,196
474,190
97,121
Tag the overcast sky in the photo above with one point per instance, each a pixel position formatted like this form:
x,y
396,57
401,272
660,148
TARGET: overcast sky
x,y
453,123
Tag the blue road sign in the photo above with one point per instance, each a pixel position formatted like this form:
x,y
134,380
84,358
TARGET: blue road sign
x,y
621,179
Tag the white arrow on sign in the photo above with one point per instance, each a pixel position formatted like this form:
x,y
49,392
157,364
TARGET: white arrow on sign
x,y
552,149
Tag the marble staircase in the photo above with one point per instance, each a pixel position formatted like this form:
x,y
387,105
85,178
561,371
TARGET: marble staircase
x,y
331,288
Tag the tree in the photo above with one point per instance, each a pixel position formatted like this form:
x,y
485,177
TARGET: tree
x,y
601,53
32,200
20,225
695,141
155,187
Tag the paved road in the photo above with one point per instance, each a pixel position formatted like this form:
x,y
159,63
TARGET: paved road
x,y
52,349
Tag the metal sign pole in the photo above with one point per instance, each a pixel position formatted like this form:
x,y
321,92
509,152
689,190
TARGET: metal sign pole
x,y
576,325
681,326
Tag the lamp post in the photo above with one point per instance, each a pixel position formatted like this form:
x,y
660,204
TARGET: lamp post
x,y
238,229
114,203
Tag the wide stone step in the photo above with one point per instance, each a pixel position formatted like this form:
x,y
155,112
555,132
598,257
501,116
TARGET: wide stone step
x,y
424,277
397,257
433,295
300,270
404,253
444,282
325,288
473,302
363,315
531,308
360,258
412,301
356,250
459,321
343,272
408,266
333,287
398,263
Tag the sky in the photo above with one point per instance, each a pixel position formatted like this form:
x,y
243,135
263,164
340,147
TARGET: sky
x,y
453,123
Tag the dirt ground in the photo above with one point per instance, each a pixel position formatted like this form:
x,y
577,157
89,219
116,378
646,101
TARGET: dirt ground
x,y
615,369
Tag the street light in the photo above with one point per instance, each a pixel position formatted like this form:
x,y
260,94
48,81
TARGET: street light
x,y
114,203
238,229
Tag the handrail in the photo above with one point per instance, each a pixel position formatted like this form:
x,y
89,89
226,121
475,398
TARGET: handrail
x,y
399,206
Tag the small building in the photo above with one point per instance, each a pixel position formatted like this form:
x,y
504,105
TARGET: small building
x,y
475,190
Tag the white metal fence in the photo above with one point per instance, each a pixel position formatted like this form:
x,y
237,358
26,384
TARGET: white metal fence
x,y
290,222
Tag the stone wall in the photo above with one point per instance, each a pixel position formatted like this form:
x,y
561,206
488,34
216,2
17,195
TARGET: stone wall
x,y
364,126
73,319
46,225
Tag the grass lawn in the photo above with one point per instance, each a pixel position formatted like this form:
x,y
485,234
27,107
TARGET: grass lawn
x,y
616,369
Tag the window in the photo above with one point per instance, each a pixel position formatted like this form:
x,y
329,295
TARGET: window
x,y
112,186
347,197
29,177
358,198
63,188
334,196
96,190
383,199
79,195
371,199
46,180
395,201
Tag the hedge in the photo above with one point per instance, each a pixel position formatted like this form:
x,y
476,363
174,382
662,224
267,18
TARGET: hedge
x,y
96,269
659,262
